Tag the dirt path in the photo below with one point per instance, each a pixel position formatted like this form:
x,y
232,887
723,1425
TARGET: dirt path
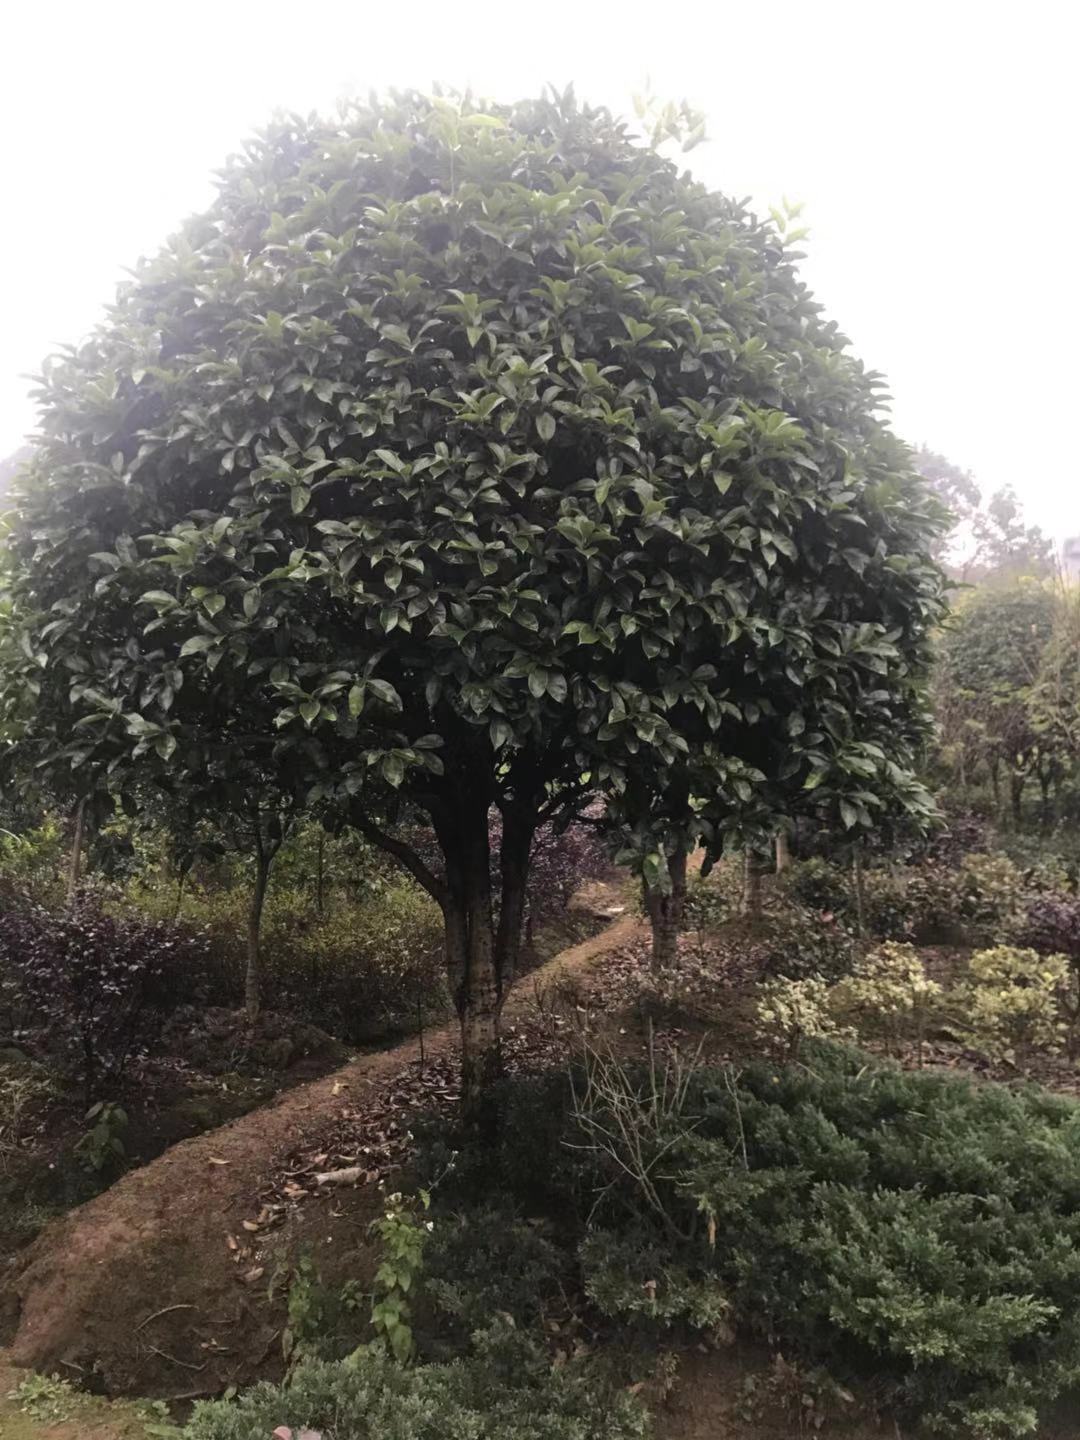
x,y
158,1286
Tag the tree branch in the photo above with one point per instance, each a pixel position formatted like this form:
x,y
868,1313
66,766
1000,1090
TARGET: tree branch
x,y
406,857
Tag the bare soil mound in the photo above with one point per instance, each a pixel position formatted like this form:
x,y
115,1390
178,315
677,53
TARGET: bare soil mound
x,y
170,1283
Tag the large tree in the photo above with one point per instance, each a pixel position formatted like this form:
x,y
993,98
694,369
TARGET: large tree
x,y
496,457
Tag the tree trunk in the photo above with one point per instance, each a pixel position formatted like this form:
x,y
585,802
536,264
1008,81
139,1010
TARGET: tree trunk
x,y
319,870
1016,792
666,911
783,851
751,897
75,862
253,971
860,892
995,783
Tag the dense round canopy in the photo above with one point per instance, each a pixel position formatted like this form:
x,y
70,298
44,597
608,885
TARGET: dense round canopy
x,y
475,440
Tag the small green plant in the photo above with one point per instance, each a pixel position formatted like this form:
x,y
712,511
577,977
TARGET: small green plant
x,y
102,1147
403,1233
321,1320
45,1398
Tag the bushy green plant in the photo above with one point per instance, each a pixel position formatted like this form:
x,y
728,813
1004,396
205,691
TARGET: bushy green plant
x,y
791,1011
801,943
888,988
889,909
972,902
488,1261
1011,1002
819,885
505,1390
635,1276
708,905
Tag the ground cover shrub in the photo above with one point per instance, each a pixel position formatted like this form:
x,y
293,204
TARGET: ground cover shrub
x,y
917,1231
800,943
889,908
505,1389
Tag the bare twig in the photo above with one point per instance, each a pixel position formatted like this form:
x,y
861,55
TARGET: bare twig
x,y
168,1310
184,1364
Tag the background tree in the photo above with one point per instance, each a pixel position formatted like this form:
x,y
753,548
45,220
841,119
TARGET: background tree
x,y
476,452
991,657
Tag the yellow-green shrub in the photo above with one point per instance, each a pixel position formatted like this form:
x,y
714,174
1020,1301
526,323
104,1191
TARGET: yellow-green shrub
x,y
889,988
1011,1002
790,1011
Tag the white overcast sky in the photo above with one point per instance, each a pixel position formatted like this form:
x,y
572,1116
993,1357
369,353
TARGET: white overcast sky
x,y
934,145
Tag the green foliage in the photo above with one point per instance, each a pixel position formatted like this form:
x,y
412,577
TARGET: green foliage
x,y
504,1391
460,452
487,1261
802,943
45,1398
357,970
912,1228
972,902
402,1233
888,989
818,884
32,866
102,1146
791,1011
1011,1003
322,1321
633,1276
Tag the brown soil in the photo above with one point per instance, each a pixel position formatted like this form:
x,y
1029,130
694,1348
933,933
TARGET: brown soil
x,y
159,1287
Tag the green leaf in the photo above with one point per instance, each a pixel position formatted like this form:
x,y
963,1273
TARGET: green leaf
x,y
545,425
299,498
197,644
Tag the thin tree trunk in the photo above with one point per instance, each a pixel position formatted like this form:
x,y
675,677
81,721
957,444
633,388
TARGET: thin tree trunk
x,y
783,851
666,911
253,970
319,870
179,895
751,897
1016,792
860,891
75,862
